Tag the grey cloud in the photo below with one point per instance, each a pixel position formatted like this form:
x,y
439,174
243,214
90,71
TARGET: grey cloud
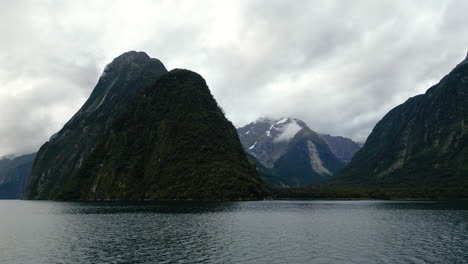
x,y
338,65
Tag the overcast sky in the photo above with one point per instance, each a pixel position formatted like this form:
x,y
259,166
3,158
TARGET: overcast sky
x,y
337,65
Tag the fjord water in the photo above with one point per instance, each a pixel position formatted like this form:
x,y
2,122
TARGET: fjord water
x,y
234,232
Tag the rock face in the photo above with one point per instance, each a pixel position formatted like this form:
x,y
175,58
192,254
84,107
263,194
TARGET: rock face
x,y
14,175
421,143
61,157
291,154
145,134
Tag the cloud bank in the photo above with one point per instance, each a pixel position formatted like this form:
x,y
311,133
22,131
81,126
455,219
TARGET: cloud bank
x,y
337,65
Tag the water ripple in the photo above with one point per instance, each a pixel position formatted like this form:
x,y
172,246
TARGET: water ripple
x,y
242,232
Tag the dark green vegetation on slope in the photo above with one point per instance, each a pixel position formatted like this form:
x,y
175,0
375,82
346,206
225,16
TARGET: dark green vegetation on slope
x,y
145,134
60,158
422,143
14,175
173,143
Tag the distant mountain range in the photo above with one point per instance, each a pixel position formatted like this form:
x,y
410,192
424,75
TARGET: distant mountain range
x,y
422,143
14,175
289,153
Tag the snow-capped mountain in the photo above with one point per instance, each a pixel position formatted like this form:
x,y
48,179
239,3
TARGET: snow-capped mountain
x,y
267,139
288,148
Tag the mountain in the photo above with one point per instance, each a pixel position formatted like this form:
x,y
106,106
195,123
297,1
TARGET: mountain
x,y
60,158
291,154
14,175
173,143
145,134
422,143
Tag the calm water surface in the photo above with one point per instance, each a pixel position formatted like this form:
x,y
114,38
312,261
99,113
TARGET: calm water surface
x,y
239,232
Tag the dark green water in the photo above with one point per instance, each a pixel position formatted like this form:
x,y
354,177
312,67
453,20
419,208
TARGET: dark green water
x,y
240,232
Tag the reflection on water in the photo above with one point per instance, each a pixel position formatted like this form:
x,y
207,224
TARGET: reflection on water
x,y
236,232
146,208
